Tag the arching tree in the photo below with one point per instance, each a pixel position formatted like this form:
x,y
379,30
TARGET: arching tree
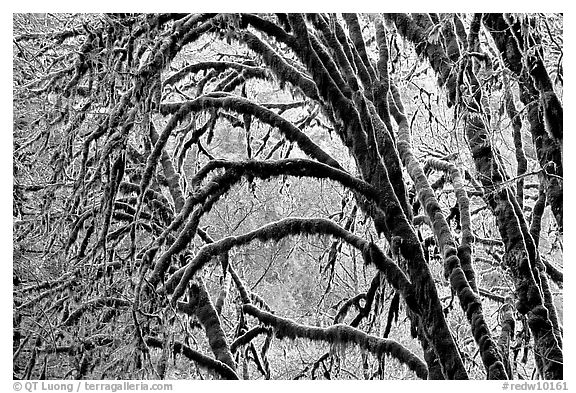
x,y
178,178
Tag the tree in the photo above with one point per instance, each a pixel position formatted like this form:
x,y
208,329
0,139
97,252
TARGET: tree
x,y
126,146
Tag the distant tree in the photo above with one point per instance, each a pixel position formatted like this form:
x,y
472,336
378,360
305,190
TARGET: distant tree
x,y
157,155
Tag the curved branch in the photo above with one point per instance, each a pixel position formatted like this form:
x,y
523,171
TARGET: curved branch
x,y
245,106
247,337
341,335
290,227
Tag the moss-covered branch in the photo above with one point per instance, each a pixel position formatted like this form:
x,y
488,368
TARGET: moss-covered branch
x,y
469,301
245,106
439,61
278,230
218,66
465,247
247,337
522,163
200,304
202,360
94,304
506,336
340,335
509,39
518,44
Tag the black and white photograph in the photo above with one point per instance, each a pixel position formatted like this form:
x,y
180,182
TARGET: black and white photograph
x,y
287,196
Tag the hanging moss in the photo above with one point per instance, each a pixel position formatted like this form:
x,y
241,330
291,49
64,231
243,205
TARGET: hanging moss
x,y
340,335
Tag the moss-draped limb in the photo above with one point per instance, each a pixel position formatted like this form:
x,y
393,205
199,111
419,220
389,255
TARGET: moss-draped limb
x,y
339,51
218,66
383,133
245,106
209,194
171,175
548,148
183,239
247,337
355,32
328,62
465,247
511,38
221,184
200,304
292,167
352,133
522,163
506,336
340,335
549,154
408,29
381,87
513,234
328,88
520,256
283,71
94,304
278,230
202,360
469,301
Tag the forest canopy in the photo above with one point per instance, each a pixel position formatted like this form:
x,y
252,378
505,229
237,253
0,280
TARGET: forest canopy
x,y
287,196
